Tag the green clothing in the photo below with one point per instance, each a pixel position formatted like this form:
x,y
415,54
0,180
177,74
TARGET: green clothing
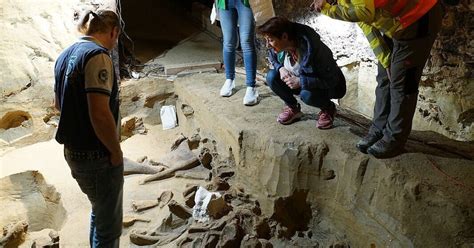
x,y
377,21
221,4
370,20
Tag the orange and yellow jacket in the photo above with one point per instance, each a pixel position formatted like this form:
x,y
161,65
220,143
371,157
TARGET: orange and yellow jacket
x,y
377,17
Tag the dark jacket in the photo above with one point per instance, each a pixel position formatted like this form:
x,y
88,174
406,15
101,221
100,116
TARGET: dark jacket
x,y
318,69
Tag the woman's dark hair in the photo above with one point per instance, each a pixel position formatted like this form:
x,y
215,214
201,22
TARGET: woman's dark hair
x,y
103,21
276,27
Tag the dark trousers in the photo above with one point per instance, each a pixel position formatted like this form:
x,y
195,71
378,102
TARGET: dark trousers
x,y
320,98
103,185
396,100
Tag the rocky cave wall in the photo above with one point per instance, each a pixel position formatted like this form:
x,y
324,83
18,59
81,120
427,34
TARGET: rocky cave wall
x,y
446,101
33,33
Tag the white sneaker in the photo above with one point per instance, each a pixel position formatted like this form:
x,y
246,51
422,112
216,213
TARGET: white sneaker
x,y
227,88
251,96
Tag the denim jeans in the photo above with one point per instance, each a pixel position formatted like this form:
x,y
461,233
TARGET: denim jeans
x,y
237,14
320,98
103,185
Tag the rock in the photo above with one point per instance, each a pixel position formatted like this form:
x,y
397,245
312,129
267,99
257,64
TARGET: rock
x,y
132,126
218,207
231,235
152,99
265,243
169,230
190,190
179,210
328,174
178,141
189,199
52,241
206,159
14,234
340,244
218,184
250,242
262,229
54,235
187,110
211,240
27,196
194,141
225,172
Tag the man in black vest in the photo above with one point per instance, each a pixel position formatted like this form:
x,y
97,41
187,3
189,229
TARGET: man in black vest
x,y
86,92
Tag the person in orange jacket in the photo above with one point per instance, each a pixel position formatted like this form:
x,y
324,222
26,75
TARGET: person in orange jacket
x,y
401,34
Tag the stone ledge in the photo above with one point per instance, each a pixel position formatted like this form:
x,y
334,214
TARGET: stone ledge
x,y
399,202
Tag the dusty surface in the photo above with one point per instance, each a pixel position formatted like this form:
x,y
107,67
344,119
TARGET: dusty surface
x,y
32,35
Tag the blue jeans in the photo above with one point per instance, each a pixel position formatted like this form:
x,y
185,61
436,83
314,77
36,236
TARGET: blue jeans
x,y
239,14
320,98
103,185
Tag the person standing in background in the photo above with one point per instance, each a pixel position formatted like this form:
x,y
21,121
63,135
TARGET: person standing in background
x,y
401,34
237,18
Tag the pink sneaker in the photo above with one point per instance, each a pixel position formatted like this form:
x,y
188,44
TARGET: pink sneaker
x,y
326,118
290,115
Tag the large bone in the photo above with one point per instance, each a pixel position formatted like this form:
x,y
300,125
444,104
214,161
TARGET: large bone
x,y
170,229
142,205
132,167
130,220
180,159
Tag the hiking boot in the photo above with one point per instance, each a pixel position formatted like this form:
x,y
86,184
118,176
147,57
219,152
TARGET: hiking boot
x,y
384,149
227,88
367,141
326,118
290,114
251,96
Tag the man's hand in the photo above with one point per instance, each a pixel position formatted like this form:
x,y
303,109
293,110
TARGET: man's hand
x,y
389,74
293,82
116,159
284,73
317,5
104,125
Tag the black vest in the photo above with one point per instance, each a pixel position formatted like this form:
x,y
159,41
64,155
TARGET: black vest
x,y
75,130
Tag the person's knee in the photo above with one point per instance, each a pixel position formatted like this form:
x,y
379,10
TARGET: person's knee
x,y
272,76
306,97
248,44
229,45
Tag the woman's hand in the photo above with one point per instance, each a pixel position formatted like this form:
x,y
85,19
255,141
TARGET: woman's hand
x,y
317,5
293,82
284,73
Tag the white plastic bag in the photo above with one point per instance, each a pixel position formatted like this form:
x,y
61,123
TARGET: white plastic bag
x,y
201,200
262,10
168,117
214,13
